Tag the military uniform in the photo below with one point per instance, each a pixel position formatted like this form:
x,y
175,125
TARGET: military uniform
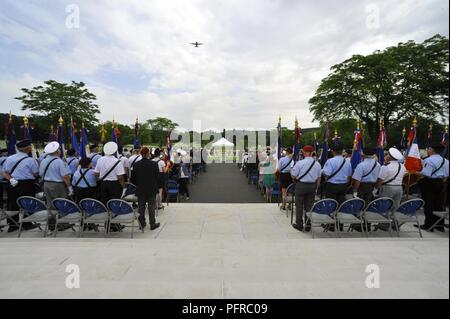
x,y
391,176
72,162
337,170
23,170
306,172
366,173
435,171
84,183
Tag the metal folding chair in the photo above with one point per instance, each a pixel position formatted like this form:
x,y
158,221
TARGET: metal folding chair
x,y
67,212
379,211
275,190
322,212
407,213
349,212
122,212
94,213
442,216
173,189
290,200
32,210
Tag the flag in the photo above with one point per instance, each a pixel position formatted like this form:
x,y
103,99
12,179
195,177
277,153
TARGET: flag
x,y
102,134
403,141
169,144
26,129
279,138
117,134
52,137
10,136
136,132
357,148
297,146
113,133
326,134
444,142
336,139
83,142
382,142
413,162
73,137
60,137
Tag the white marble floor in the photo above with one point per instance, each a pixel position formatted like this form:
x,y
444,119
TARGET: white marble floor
x,y
224,251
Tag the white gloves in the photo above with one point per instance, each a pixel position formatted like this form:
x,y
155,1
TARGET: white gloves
x,y
375,192
123,192
13,182
70,189
355,194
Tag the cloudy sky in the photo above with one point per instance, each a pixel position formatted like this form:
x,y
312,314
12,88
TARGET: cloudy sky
x,y
261,58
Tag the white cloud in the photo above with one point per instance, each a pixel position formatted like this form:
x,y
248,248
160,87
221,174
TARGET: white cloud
x,y
260,58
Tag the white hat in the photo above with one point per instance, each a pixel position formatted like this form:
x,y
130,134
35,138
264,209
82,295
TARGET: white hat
x,y
51,147
395,154
183,153
110,148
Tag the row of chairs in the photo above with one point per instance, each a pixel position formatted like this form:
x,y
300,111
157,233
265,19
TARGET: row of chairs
x,y
351,212
89,211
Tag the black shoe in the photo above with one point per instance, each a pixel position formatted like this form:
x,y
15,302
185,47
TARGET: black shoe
x,y
440,228
298,227
12,229
153,227
30,226
63,227
308,227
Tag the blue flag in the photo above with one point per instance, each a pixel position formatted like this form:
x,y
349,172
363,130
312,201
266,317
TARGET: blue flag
x,y
11,137
357,149
324,155
136,137
59,134
83,142
74,138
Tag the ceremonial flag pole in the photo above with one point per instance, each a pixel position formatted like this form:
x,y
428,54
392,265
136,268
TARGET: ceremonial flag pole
x,y
326,134
279,138
298,134
73,136
316,149
28,135
413,161
336,139
136,132
83,142
382,142
357,146
11,136
444,142
403,143
61,137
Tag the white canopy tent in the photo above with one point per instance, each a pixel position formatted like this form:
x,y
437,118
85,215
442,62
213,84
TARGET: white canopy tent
x,y
223,149
222,142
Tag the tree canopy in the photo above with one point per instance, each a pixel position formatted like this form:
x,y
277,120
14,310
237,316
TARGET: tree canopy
x,y
56,99
400,82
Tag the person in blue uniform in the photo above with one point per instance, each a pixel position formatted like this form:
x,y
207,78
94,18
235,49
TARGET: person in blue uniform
x,y
94,155
84,181
20,170
72,160
306,173
435,172
365,176
337,171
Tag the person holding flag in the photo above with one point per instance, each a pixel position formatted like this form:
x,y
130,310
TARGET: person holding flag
x,y
357,147
413,162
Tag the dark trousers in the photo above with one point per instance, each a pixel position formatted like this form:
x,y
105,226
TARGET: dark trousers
x,y
82,193
184,190
150,203
23,188
110,190
304,200
336,192
3,191
432,190
365,192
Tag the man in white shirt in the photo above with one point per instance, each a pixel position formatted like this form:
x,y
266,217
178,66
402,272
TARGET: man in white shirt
x,y
133,159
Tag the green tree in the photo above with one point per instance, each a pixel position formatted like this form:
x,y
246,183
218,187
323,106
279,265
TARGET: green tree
x,y
160,126
56,99
391,85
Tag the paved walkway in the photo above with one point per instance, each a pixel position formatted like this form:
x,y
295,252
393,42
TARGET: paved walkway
x,y
224,251
223,183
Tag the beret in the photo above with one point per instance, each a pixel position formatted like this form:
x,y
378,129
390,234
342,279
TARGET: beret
x,y
308,148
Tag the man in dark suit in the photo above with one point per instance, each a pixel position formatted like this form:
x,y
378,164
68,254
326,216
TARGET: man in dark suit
x,y
145,176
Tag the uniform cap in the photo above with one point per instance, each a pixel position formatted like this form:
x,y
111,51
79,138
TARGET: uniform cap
x,y
23,143
369,151
308,148
51,147
395,154
110,148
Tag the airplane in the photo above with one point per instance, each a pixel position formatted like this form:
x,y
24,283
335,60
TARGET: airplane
x,y
196,44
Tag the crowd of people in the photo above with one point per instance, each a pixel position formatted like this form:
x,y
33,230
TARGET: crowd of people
x,y
102,176
336,179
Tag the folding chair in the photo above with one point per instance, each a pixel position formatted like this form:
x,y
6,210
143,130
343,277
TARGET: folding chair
x,y
290,200
39,192
32,210
442,216
407,213
253,177
94,213
322,212
350,213
130,191
67,212
6,214
275,190
379,211
173,189
122,212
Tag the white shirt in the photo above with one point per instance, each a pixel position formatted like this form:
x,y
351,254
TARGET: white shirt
x,y
124,161
131,160
387,172
105,163
161,164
